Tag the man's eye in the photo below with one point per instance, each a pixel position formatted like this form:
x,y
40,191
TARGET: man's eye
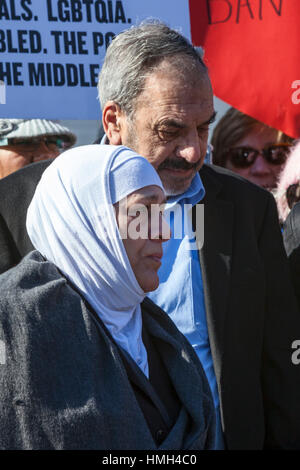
x,y
167,134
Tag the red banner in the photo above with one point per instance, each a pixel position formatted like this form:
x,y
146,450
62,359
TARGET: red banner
x,y
252,49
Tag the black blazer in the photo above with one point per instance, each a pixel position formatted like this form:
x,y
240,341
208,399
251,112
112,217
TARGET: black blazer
x,y
16,192
251,312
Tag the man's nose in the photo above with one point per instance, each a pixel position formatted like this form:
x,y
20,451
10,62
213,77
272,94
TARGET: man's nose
x,y
260,166
189,148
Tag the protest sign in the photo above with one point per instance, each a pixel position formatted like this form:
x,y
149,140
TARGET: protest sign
x,y
51,51
252,50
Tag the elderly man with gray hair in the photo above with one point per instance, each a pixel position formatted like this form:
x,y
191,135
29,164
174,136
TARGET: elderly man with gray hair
x,y
232,298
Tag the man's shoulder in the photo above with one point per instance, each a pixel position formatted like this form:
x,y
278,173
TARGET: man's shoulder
x,y
23,181
16,193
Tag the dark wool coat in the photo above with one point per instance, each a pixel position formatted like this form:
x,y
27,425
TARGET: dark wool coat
x,y
16,192
64,385
252,314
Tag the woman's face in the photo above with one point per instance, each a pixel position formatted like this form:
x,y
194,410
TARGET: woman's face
x,y
143,230
261,171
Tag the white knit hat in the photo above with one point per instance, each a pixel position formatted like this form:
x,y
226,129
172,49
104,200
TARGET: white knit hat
x,y
28,128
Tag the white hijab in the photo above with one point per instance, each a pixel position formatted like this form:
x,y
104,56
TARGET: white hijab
x,y
71,221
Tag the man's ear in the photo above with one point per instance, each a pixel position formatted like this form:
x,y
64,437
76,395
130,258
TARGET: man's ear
x,y
112,118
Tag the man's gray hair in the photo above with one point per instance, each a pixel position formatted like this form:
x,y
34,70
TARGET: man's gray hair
x,y
133,55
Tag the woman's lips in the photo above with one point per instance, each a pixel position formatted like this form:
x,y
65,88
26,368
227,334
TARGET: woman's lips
x,y
156,258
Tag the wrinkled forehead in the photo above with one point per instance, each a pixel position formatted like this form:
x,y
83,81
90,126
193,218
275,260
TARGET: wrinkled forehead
x,y
166,85
188,96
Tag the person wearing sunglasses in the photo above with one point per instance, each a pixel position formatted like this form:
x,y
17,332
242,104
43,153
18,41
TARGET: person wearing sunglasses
x,y
25,141
287,193
250,148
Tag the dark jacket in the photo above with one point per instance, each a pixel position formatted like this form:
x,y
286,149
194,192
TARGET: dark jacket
x,y
16,192
252,315
291,238
63,383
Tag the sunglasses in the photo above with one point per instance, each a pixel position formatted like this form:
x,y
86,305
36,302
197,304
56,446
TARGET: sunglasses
x,y
244,157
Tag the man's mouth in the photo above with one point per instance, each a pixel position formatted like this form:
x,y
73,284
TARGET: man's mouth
x,y
179,171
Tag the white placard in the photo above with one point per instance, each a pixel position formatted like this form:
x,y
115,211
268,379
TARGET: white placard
x,y
51,51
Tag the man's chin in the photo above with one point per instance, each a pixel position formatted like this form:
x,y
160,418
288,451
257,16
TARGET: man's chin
x,y
175,184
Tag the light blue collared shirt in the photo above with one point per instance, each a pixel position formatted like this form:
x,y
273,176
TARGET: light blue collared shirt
x,y
180,292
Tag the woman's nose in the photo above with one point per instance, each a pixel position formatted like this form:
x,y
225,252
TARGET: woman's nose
x,y
160,229
260,166
165,229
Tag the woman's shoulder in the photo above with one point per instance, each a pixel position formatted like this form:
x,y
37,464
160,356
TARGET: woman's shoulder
x,y
30,286
32,271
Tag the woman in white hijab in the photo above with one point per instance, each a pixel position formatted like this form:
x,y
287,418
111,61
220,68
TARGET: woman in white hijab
x,y
88,361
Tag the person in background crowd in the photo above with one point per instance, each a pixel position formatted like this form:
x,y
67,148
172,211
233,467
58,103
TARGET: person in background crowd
x,y
287,193
90,363
27,147
291,238
233,299
25,141
16,192
250,148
